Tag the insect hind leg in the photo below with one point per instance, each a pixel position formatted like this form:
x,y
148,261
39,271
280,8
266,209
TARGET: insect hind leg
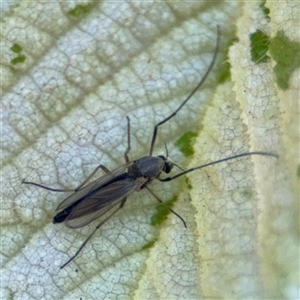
x,y
93,232
103,168
46,187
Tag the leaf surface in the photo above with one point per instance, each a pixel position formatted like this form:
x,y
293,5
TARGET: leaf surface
x,y
72,72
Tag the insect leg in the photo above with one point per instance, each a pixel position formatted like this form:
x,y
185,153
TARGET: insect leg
x,y
93,232
128,141
189,96
68,190
47,188
104,169
160,201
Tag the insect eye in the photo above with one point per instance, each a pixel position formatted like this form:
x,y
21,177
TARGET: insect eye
x,y
168,167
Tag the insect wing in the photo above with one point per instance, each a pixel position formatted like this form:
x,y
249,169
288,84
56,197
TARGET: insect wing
x,y
82,221
102,201
96,184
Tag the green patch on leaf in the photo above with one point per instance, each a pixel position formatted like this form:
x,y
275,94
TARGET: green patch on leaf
x,y
259,47
18,60
162,212
149,245
247,194
185,143
265,10
80,10
298,171
287,55
188,183
16,48
224,69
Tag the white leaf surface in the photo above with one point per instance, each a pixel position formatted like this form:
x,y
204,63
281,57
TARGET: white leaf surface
x,y
71,72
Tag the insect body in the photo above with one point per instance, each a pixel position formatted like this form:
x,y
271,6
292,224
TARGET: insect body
x,y
105,196
93,200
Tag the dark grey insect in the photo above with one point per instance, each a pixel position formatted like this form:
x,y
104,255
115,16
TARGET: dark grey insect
x,y
92,200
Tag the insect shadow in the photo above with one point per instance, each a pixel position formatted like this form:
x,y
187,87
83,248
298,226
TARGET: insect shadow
x,y
108,194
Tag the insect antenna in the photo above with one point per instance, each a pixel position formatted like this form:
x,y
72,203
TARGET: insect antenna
x,y
216,162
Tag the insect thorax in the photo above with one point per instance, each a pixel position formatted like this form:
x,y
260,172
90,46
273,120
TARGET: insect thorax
x,y
147,166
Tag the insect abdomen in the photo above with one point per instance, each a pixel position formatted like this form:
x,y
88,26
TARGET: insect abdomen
x,y
61,216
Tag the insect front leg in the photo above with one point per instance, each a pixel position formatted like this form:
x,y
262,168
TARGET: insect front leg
x,y
93,232
128,141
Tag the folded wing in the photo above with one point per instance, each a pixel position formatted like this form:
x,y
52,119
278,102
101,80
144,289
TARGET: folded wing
x,y
94,185
102,201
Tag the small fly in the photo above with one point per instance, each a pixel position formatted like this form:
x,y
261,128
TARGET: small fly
x,y
108,194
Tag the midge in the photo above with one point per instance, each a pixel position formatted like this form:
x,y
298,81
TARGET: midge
x,y
108,194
